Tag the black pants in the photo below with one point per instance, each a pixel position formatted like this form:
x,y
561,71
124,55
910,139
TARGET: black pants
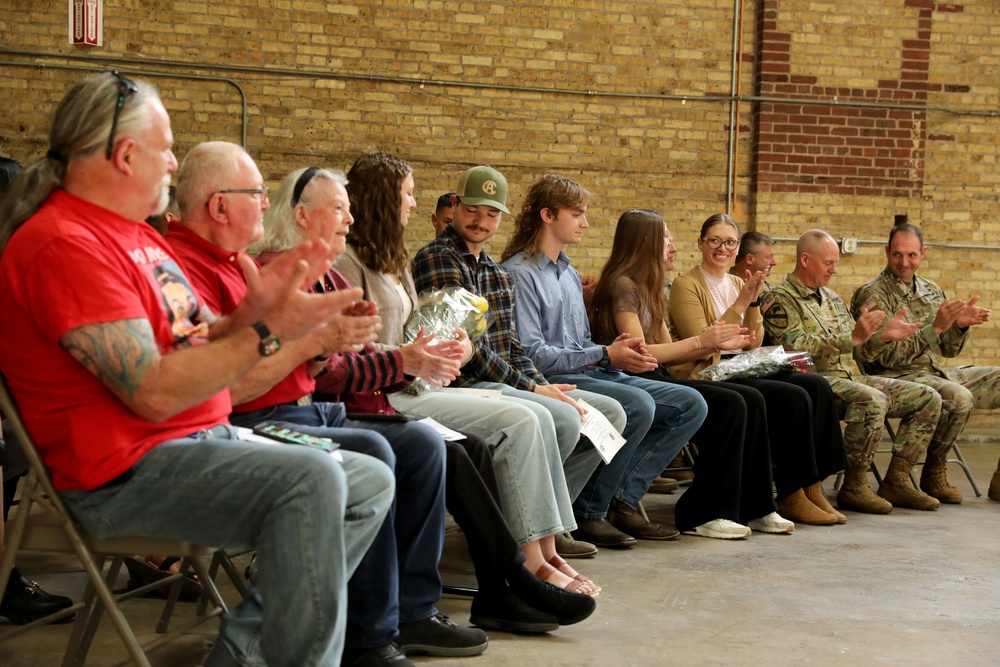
x,y
828,438
732,472
473,499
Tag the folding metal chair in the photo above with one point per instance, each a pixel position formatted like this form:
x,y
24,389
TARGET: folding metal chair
x,y
42,523
959,459
891,432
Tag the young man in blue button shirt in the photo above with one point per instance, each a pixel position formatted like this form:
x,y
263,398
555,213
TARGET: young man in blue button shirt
x,y
552,326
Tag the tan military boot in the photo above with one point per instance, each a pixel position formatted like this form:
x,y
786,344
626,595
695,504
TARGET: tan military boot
x,y
798,508
934,480
897,488
994,492
817,497
856,495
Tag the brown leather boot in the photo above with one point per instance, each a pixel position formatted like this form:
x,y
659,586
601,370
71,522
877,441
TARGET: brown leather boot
x,y
856,495
934,479
815,494
897,488
994,492
798,508
630,522
678,475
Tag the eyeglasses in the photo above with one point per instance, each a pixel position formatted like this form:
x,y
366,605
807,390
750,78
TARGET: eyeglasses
x,y
259,193
714,242
125,88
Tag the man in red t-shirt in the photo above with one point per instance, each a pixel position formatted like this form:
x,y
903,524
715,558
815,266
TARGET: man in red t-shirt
x,y
397,583
121,377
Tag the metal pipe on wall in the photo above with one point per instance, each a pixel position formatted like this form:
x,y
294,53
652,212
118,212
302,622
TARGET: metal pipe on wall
x,y
148,73
733,106
345,76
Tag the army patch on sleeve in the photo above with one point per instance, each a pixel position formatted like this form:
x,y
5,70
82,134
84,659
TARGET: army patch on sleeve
x,y
775,314
767,303
870,304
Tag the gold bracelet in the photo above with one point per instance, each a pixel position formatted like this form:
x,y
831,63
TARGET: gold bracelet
x,y
697,342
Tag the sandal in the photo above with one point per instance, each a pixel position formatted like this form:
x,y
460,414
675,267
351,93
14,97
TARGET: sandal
x,y
545,572
560,564
143,572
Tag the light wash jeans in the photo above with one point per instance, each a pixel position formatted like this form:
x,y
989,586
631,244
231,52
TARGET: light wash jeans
x,y
310,518
661,418
522,440
579,457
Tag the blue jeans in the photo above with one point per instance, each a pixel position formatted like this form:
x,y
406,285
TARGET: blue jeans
x,y
397,581
661,418
310,518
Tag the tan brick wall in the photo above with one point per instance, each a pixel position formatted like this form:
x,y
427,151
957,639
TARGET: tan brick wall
x,y
628,150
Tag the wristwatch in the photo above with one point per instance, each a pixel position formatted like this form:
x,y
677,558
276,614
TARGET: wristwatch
x,y
269,343
605,359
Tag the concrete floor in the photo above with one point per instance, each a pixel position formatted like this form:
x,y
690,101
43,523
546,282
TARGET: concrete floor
x,y
913,588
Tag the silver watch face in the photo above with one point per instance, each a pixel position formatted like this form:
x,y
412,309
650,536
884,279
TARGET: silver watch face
x,y
269,346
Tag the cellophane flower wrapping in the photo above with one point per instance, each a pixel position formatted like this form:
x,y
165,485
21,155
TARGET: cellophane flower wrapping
x,y
440,312
758,363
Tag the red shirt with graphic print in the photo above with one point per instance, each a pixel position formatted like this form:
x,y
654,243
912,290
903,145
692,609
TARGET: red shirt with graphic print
x,y
71,264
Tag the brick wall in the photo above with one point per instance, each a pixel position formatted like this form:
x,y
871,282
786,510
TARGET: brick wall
x,y
325,81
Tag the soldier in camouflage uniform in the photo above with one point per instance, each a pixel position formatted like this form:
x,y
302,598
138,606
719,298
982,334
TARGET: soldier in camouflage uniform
x,y
803,314
944,329
756,253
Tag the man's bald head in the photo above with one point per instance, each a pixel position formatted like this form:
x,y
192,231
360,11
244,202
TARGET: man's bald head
x,y
206,169
812,242
816,258
221,195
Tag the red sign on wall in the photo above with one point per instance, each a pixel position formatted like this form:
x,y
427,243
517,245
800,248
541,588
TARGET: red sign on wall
x,y
86,22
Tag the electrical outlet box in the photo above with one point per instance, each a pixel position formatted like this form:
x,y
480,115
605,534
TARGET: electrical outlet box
x,y
849,246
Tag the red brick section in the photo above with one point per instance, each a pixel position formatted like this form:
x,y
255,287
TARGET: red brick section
x,y
809,148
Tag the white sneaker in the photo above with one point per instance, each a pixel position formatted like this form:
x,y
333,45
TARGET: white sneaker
x,y
722,529
772,523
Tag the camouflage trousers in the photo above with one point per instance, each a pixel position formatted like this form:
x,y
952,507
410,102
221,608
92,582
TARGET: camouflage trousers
x,y
866,403
964,389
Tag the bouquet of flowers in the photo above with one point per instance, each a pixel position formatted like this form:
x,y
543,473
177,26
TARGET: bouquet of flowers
x,y
442,311
758,363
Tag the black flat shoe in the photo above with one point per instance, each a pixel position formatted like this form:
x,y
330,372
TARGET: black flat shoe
x,y
508,613
24,601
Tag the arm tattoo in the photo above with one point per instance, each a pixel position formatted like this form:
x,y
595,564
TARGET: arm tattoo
x,y
118,353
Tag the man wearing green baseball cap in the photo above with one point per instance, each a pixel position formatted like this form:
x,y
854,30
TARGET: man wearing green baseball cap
x,y
458,258
482,186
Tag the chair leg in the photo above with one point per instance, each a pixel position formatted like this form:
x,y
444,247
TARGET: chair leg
x,y
172,597
960,460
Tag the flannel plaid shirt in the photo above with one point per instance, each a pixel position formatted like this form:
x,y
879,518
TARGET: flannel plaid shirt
x,y
498,355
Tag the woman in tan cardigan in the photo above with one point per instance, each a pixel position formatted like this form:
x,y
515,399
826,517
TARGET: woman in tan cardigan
x,y
803,423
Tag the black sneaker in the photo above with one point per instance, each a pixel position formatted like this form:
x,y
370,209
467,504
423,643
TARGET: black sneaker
x,y
505,611
438,636
380,656
568,608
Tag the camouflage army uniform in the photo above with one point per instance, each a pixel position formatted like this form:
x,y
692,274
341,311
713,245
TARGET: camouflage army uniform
x,y
917,359
817,321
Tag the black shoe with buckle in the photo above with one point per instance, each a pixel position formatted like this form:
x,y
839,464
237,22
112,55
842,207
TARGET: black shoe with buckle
x,y
438,636
24,601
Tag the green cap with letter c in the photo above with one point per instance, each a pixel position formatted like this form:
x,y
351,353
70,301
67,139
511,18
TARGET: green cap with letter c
x,y
483,186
